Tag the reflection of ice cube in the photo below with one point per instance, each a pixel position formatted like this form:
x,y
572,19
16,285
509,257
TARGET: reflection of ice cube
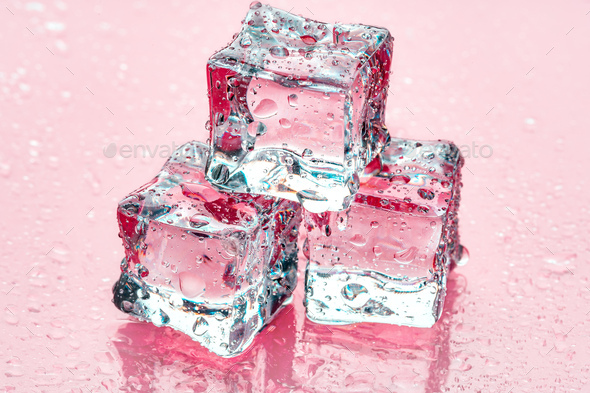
x,y
214,266
386,258
163,360
373,357
296,107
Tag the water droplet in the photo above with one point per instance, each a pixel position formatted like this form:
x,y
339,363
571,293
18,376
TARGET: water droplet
x,y
266,108
142,270
406,256
292,99
164,318
219,174
285,123
255,5
246,41
308,40
219,316
377,250
191,284
358,240
464,256
200,327
374,224
307,153
351,291
426,194
276,272
198,221
256,129
279,52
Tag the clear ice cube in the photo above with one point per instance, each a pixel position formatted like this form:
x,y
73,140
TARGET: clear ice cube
x,y
297,107
386,258
212,265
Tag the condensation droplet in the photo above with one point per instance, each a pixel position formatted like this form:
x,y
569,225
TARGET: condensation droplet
x,y
191,284
293,100
285,123
279,52
266,108
200,326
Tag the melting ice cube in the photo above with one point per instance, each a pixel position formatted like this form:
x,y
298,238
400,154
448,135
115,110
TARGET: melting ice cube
x,y
386,258
212,265
296,107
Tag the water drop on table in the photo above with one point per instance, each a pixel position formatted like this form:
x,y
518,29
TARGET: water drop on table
x,y
464,252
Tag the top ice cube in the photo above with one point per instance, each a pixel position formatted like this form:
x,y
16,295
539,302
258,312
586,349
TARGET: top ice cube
x,y
297,107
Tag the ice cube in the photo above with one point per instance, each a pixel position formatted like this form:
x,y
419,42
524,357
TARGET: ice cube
x,y
386,258
297,107
212,265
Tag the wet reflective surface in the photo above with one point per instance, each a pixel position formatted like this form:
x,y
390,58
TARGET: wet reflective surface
x,y
97,95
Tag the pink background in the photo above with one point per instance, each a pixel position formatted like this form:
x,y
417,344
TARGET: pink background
x,y
512,77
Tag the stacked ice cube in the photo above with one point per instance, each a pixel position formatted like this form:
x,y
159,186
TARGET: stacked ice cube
x,y
296,130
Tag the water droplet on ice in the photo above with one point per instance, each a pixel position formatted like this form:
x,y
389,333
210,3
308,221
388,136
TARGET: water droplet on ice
x,y
292,99
351,291
426,194
279,52
201,326
191,285
377,250
285,123
197,221
406,256
358,240
308,40
266,108
246,41
143,271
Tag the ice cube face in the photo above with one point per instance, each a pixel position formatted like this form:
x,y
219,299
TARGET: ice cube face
x,y
214,266
296,107
386,258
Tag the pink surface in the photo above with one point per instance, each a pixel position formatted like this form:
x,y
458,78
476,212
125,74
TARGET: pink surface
x,y
509,78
